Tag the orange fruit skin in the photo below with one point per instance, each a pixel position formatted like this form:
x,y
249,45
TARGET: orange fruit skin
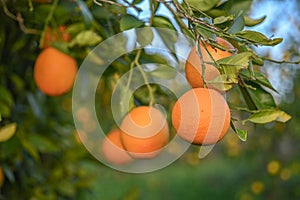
x,y
54,72
193,67
201,116
54,35
144,132
113,150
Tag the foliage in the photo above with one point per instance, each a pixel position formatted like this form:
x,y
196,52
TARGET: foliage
x,y
40,152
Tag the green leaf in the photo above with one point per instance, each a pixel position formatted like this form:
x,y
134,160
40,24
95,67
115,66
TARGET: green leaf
x,y
222,19
259,96
233,64
42,144
238,24
7,131
137,2
164,72
253,22
30,149
238,6
144,36
258,38
223,82
266,116
129,21
242,134
6,97
162,22
76,28
259,78
202,5
87,15
86,38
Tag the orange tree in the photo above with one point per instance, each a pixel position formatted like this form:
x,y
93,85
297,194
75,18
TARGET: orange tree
x,y
40,152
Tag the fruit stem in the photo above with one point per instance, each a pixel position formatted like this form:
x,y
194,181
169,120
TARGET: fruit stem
x,y
136,61
47,21
199,53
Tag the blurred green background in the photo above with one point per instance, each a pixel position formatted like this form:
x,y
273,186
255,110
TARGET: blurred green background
x,y
46,160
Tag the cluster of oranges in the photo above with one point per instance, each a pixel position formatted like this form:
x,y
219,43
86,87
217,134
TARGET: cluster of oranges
x,y
55,71
201,116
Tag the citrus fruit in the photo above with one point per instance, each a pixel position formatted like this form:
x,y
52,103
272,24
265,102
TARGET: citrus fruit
x,y
54,72
201,116
193,67
144,132
53,35
113,149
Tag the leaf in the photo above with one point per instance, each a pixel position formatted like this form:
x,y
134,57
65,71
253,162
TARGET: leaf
x,y
144,36
162,22
86,38
75,28
233,64
87,15
164,72
258,38
129,21
253,22
238,24
30,149
7,131
222,19
42,144
223,82
6,97
238,6
260,97
259,78
242,134
202,5
266,116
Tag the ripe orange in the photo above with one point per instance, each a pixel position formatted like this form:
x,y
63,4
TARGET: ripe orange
x,y
54,35
144,132
113,150
54,72
193,67
201,116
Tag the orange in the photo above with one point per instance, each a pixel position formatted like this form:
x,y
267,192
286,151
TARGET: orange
x,y
144,132
54,72
201,116
53,35
113,150
193,67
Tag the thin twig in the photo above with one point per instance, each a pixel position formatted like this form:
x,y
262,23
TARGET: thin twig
x,y
136,61
280,61
19,19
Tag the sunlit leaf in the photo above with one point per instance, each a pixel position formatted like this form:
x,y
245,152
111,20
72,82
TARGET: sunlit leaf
x,y
242,134
86,38
223,82
253,22
222,19
266,116
202,5
7,131
129,21
258,38
32,150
